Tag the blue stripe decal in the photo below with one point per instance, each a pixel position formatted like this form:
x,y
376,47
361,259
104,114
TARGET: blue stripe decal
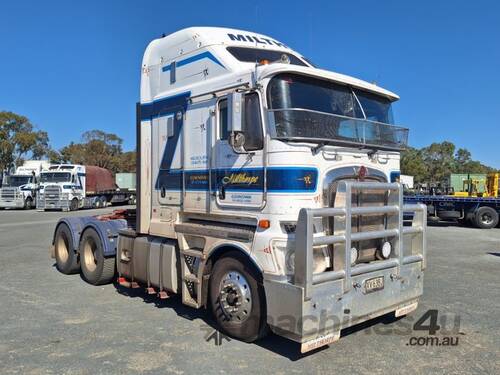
x,y
164,106
279,179
189,60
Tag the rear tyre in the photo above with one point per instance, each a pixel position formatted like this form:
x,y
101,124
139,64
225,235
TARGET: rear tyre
x,y
73,205
237,298
66,257
96,268
486,218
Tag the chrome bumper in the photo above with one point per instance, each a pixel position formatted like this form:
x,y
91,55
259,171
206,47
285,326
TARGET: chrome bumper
x,y
17,202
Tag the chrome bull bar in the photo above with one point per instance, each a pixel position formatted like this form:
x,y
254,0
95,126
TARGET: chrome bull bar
x,y
305,239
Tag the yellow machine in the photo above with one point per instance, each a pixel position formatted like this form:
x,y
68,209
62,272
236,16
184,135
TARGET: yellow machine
x,y
480,187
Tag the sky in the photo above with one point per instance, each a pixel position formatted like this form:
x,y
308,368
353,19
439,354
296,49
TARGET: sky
x,y
74,66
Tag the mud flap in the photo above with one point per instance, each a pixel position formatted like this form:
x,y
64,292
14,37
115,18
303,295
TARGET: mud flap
x,y
319,342
406,309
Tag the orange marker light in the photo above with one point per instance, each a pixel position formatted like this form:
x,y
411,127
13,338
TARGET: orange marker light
x,y
264,223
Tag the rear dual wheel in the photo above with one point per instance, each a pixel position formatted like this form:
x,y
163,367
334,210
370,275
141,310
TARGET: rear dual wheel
x,y
67,260
96,268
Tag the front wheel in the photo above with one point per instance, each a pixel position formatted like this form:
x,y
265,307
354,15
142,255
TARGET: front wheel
x,y
28,203
96,268
74,204
237,298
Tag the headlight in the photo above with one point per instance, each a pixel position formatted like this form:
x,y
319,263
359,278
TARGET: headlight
x,y
386,250
354,255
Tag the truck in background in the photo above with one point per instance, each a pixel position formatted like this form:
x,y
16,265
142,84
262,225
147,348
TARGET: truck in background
x,y
264,193
472,205
19,190
69,187
126,183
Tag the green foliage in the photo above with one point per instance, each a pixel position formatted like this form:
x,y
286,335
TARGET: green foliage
x,y
436,162
19,139
97,148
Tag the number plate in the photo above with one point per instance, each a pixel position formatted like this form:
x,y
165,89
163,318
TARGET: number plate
x,y
372,285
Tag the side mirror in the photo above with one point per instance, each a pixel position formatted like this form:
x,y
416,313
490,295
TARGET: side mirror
x,y
236,115
235,112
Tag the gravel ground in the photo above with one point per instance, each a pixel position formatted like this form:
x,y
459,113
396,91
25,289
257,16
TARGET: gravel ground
x,y
53,323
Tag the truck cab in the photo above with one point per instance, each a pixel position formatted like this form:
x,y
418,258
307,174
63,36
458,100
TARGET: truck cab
x,y
19,189
62,187
266,192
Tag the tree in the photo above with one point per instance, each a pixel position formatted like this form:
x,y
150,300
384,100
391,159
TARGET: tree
x,y
128,161
98,148
19,139
413,164
437,161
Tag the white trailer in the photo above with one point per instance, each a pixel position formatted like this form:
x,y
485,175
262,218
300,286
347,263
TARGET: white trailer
x,y
19,190
265,193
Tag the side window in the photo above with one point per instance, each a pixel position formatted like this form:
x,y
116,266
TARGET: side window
x,y
252,124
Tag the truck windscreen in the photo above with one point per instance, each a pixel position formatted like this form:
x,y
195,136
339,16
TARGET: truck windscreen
x,y
55,177
304,107
16,181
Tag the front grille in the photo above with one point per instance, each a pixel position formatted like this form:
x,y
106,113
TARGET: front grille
x,y
367,249
52,195
8,193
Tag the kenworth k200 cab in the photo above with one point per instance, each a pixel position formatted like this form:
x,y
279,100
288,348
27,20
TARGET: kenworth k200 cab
x,y
265,193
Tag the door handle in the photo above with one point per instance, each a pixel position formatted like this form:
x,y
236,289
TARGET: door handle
x,y
222,192
163,192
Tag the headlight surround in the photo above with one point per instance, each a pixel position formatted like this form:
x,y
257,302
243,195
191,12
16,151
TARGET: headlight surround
x,y
284,252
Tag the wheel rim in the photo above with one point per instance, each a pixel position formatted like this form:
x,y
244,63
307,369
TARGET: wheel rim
x,y
486,218
62,248
89,258
235,296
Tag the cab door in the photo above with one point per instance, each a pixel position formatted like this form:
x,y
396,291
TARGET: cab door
x,y
166,162
237,178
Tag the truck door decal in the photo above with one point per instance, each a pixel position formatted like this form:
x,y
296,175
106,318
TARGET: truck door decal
x,y
167,178
279,179
189,60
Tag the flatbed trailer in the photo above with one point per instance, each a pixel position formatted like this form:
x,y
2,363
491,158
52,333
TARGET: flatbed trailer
x,y
477,211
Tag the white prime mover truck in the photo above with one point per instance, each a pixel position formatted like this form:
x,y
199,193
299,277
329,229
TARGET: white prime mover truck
x,y
265,193
19,189
69,187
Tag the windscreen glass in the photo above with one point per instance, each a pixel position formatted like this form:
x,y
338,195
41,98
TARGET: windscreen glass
x,y
55,177
17,180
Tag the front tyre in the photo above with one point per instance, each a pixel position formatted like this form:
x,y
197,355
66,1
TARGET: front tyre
x,y
96,268
66,256
74,204
237,298
28,203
